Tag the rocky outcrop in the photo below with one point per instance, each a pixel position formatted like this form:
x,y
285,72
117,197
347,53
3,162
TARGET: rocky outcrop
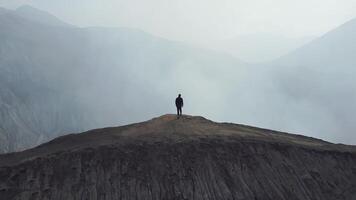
x,y
186,158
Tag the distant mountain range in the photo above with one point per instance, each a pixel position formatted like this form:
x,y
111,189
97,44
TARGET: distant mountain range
x,y
57,78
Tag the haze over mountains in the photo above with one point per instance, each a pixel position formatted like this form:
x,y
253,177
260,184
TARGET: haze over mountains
x,y
103,76
320,77
258,48
57,78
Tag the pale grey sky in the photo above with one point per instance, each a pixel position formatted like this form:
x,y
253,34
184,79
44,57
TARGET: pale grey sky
x,y
196,20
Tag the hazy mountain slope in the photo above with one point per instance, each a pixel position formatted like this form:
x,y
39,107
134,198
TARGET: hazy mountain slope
x,y
333,48
31,114
70,79
39,16
320,78
3,10
33,109
187,158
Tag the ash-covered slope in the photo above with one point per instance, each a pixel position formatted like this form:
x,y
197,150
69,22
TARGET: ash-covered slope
x,y
187,158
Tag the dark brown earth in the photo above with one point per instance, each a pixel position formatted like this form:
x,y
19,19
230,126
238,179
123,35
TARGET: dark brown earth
x,y
187,158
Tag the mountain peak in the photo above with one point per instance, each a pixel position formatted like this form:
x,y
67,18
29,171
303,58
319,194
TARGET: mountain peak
x,y
183,118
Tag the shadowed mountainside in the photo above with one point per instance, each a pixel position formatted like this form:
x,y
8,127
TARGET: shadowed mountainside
x,y
187,158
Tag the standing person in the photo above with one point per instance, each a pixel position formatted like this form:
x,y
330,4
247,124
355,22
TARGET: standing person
x,y
179,105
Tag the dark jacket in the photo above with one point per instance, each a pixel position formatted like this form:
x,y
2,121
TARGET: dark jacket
x,y
179,102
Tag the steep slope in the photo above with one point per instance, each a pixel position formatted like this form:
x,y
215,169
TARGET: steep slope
x,y
186,158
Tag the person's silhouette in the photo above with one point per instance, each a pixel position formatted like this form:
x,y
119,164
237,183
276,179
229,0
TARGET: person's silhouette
x,y
179,105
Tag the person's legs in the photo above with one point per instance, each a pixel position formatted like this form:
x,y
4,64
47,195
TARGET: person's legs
x,y
179,111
